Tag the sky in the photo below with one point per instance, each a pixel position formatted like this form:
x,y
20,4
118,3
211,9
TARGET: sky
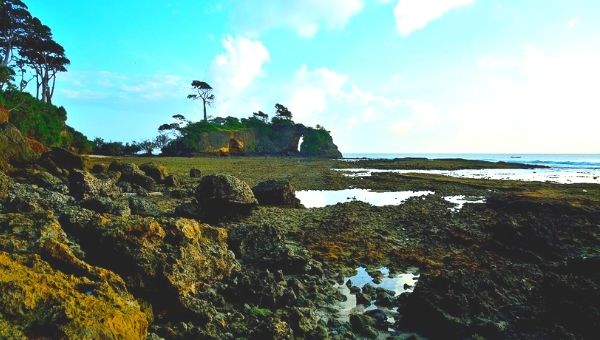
x,y
388,76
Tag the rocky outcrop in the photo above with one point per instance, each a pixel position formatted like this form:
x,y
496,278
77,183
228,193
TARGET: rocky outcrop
x,y
46,303
132,174
14,148
65,159
167,261
224,196
157,172
277,193
47,291
83,185
277,139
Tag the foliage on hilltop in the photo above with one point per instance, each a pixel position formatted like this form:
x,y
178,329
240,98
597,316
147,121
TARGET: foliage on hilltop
x,y
42,121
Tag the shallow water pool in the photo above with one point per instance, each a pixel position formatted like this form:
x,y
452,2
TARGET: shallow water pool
x,y
322,198
395,283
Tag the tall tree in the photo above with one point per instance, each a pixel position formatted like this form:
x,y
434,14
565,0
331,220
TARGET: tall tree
x,y
45,56
204,92
14,19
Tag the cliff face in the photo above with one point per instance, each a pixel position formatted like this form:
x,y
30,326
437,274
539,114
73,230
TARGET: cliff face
x,y
272,140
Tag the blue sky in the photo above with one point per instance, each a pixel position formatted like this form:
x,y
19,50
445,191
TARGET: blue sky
x,y
382,75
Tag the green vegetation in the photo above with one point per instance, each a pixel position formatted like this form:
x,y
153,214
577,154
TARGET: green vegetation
x,y
28,52
42,121
27,48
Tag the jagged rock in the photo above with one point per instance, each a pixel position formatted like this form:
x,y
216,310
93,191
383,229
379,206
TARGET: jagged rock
x,y
143,207
106,205
42,178
40,233
143,181
126,169
133,174
66,159
277,193
45,303
27,198
167,261
195,173
157,172
224,196
48,291
363,325
83,185
172,181
265,245
14,149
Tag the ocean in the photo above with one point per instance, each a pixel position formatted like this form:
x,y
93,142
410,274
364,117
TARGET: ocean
x,y
574,161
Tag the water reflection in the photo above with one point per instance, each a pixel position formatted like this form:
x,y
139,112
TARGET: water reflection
x,y
322,198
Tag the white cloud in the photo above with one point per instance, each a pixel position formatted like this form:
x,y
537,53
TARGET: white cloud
x,y
240,64
572,23
413,15
236,70
305,17
536,102
86,86
312,89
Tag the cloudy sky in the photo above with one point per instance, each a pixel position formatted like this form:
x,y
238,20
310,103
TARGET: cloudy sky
x,y
382,75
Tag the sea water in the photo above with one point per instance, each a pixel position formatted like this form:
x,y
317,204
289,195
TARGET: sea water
x,y
561,168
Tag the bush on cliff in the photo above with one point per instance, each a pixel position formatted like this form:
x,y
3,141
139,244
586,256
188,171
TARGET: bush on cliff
x,y
42,121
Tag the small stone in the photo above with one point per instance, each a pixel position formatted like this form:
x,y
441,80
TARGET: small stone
x,y
195,173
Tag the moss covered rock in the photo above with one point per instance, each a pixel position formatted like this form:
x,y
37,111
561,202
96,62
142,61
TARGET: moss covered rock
x,y
14,148
41,302
167,261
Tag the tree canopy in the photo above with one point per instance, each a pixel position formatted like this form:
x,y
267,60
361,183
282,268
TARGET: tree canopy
x,y
203,91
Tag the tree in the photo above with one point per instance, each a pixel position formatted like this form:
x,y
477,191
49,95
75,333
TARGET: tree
x,y
204,92
14,20
261,115
45,56
282,112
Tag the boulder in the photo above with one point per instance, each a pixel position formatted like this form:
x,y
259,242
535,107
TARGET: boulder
x,y
66,159
83,185
277,193
14,148
195,173
363,325
126,169
172,181
106,205
157,172
133,174
224,196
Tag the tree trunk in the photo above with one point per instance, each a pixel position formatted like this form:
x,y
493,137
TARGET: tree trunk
x,y
204,102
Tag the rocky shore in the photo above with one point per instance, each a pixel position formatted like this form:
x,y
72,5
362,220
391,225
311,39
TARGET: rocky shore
x,y
115,249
